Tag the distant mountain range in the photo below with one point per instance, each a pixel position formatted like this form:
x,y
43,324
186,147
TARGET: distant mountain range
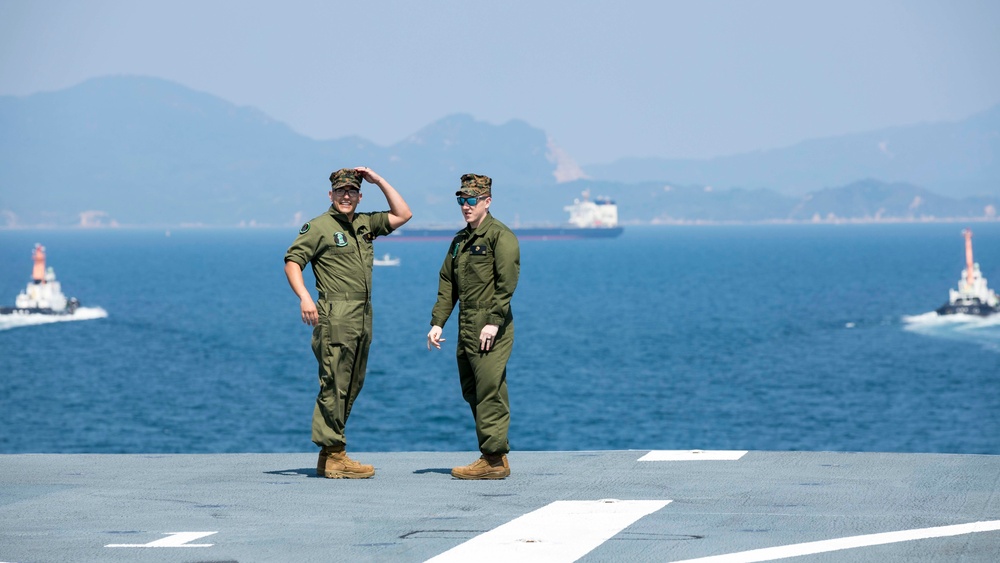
x,y
148,152
958,159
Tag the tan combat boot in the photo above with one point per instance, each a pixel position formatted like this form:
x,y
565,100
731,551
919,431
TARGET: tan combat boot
x,y
486,467
337,465
321,462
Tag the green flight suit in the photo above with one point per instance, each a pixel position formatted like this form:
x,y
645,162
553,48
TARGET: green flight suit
x,y
341,255
480,272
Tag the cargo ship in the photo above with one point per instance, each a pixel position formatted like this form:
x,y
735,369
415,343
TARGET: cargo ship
x,y
597,218
973,296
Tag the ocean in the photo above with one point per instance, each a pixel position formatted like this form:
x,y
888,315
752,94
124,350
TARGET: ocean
x,y
778,337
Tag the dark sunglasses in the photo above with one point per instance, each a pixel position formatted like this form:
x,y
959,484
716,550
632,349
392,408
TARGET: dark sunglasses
x,y
349,191
472,201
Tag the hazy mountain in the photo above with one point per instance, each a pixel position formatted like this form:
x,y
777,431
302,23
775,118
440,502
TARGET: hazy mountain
x,y
874,200
144,151
147,151
957,159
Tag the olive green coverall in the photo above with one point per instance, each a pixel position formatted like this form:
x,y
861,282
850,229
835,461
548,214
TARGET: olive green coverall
x,y
480,271
341,255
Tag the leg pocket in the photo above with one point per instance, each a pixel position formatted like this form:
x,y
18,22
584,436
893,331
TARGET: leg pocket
x,y
338,322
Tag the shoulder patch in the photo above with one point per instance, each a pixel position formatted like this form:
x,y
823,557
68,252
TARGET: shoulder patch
x,y
304,229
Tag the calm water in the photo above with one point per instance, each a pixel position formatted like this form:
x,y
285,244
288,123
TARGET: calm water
x,y
769,338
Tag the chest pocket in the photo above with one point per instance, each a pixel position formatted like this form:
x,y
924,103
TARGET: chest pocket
x,y
364,242
338,250
341,243
479,262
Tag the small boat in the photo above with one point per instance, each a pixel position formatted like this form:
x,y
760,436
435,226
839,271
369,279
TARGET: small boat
x,y
973,296
386,260
43,295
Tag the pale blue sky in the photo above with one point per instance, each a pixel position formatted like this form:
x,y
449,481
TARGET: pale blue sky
x,y
603,79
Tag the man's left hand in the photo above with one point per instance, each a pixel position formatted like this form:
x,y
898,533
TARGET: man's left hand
x,y
487,337
368,174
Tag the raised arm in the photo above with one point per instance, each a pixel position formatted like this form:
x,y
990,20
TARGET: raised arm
x,y
399,211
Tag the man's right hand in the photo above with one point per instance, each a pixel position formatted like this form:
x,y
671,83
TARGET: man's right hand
x,y
309,314
434,338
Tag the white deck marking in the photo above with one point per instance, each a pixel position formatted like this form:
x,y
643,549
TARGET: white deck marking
x,y
693,455
565,530
173,539
809,548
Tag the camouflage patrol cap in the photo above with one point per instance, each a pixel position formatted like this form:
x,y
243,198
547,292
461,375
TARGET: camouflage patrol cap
x,y
474,185
345,178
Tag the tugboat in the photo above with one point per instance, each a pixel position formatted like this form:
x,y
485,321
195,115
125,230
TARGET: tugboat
x,y
973,296
44,295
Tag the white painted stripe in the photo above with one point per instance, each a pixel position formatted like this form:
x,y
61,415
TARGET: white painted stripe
x,y
173,539
693,455
565,530
809,548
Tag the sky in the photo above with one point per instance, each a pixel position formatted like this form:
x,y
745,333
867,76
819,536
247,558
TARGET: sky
x,y
605,80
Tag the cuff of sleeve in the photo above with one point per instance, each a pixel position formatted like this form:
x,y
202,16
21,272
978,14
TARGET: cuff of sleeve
x,y
437,322
495,320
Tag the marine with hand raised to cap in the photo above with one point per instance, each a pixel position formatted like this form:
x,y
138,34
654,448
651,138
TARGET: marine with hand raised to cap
x,y
338,245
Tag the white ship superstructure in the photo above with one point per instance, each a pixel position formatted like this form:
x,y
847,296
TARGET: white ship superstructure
x,y
43,293
973,296
600,213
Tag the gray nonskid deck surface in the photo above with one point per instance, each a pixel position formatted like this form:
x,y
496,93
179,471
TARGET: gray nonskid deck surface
x,y
272,507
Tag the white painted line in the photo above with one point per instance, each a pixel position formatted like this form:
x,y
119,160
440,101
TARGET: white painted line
x,y
809,548
693,455
565,530
173,539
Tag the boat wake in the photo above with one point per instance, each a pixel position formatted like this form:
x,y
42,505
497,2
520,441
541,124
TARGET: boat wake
x,y
976,329
31,319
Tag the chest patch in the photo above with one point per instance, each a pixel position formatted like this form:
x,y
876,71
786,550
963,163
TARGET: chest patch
x,y
478,250
339,239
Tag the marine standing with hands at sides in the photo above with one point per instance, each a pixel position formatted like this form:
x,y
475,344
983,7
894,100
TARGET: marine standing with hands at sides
x,y
480,272
338,244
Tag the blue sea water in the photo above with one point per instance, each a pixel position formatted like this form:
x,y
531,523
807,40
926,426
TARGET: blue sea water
x,y
724,337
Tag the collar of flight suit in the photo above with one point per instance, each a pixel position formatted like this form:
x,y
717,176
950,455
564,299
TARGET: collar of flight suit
x,y
483,227
342,217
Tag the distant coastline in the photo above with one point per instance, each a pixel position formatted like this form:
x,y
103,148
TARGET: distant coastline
x,y
641,224
834,221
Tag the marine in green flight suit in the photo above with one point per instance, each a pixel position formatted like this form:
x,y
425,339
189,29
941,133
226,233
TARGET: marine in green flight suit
x,y
338,245
480,272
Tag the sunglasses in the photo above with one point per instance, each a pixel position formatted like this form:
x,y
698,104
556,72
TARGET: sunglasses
x,y
349,191
472,201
